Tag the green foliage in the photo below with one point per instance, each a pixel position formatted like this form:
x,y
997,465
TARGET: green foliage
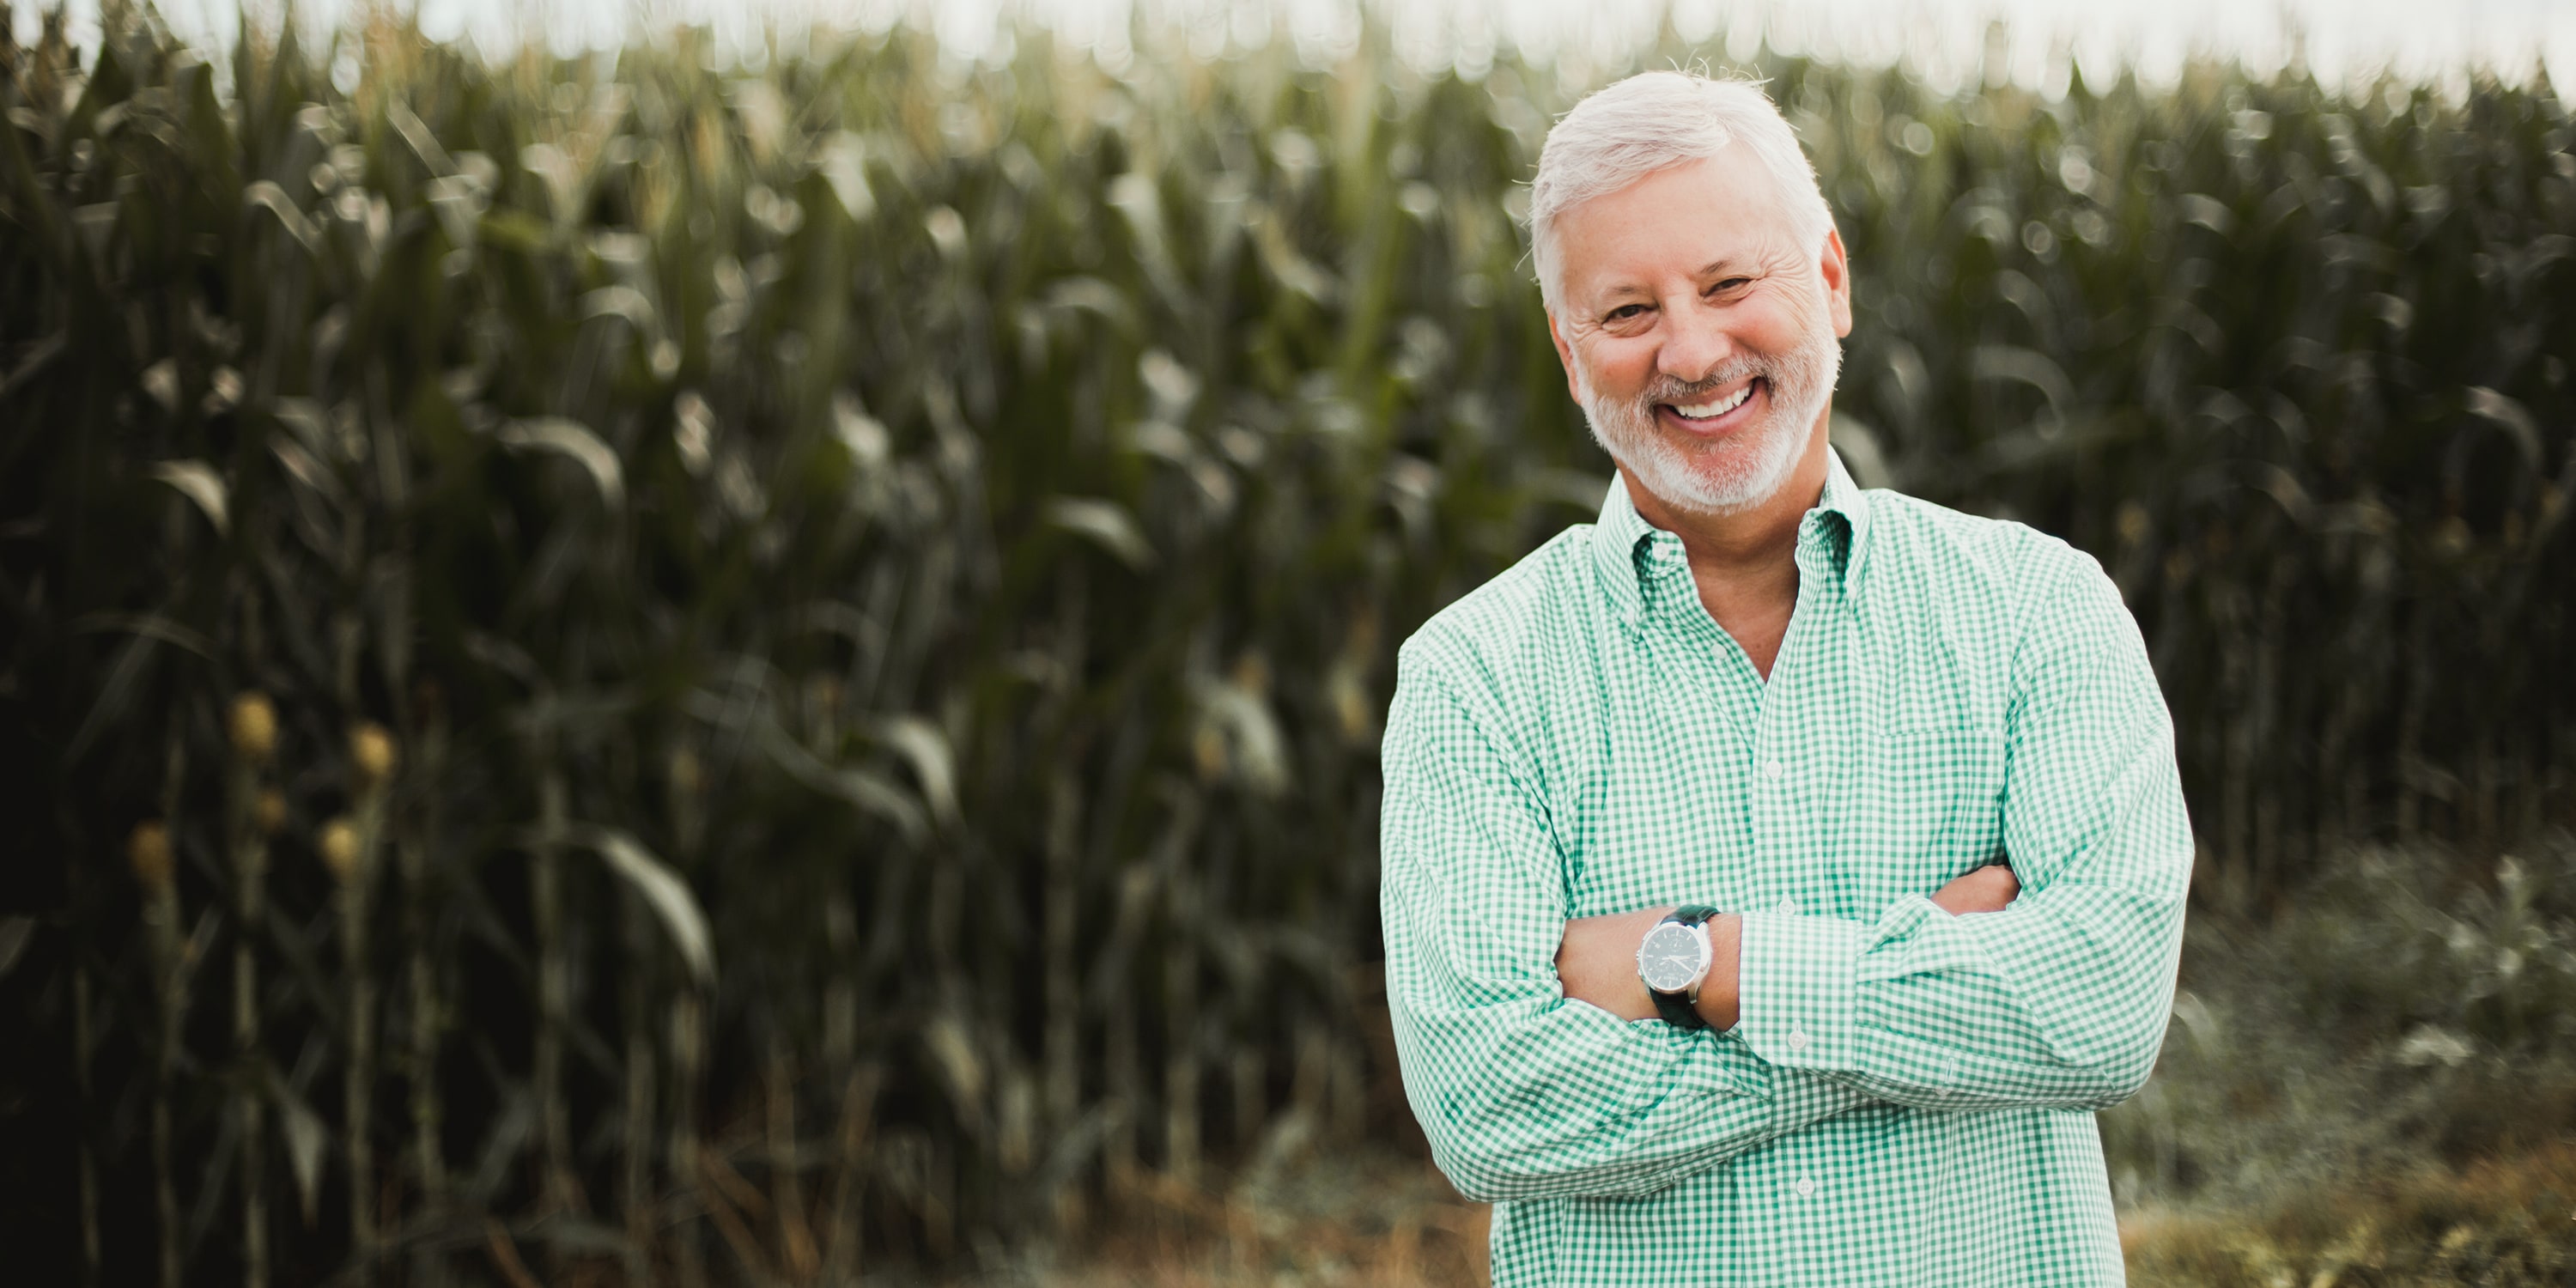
x,y
2399,1011
883,575
2378,1086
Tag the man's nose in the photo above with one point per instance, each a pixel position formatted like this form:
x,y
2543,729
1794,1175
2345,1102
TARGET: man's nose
x,y
1695,342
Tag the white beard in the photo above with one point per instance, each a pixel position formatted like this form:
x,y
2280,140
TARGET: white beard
x,y
1745,469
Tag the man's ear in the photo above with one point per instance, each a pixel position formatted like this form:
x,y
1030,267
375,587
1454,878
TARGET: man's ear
x,y
1565,356
1835,266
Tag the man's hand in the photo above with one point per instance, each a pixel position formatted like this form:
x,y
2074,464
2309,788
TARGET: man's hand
x,y
1597,959
1987,889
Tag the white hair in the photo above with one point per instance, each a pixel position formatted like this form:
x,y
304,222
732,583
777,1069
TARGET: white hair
x,y
1655,121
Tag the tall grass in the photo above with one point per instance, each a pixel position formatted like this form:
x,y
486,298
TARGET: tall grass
x,y
2377,1085
874,580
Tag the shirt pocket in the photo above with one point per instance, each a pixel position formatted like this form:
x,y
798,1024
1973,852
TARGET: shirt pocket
x,y
1928,806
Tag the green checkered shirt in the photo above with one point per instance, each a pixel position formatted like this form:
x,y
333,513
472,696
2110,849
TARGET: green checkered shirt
x,y
1909,1096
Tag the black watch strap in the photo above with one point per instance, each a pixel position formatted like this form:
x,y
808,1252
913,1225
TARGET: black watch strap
x,y
1676,1008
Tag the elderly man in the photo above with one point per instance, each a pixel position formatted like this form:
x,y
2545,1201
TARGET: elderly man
x,y
1778,875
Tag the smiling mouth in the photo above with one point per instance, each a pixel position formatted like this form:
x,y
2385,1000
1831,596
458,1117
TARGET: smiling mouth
x,y
1711,414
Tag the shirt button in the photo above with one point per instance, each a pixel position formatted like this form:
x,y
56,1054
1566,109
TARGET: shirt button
x,y
1805,1186
1773,771
1788,907
1797,1038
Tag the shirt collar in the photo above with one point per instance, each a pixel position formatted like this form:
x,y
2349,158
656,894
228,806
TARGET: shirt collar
x,y
1631,554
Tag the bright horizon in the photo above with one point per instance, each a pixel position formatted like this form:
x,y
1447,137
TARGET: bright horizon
x,y
2344,41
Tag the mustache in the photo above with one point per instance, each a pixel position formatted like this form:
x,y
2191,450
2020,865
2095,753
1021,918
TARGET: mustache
x,y
1665,389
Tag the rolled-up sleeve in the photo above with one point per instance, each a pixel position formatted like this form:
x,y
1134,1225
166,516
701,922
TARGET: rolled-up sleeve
x,y
1523,1092
2062,998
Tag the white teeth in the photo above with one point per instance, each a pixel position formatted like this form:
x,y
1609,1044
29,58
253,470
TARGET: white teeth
x,y
1718,408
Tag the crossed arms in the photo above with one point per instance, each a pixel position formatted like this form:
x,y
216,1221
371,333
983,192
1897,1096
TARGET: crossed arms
x,y
1597,961
1529,1089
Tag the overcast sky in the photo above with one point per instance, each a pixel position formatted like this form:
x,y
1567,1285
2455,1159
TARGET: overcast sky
x,y
2343,38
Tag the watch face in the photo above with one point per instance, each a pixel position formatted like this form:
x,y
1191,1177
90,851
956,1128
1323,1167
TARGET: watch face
x,y
1671,957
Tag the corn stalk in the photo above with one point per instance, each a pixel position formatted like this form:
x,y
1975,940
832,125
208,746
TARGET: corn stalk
x,y
253,728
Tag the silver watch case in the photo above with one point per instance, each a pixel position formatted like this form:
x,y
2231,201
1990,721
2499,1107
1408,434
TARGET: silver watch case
x,y
1673,958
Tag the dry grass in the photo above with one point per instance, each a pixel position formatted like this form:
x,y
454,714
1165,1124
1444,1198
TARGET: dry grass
x,y
1362,1220
2509,1220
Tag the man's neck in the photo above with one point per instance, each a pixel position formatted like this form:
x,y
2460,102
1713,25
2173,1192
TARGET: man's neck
x,y
1745,562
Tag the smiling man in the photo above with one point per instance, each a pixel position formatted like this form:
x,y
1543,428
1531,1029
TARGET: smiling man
x,y
1778,876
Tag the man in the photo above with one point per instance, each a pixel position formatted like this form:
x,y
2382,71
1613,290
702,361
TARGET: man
x,y
1881,796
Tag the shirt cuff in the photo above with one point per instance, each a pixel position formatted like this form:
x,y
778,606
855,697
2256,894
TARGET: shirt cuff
x,y
1796,990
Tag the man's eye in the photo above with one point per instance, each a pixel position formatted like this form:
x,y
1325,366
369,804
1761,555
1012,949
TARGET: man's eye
x,y
1729,285
1625,312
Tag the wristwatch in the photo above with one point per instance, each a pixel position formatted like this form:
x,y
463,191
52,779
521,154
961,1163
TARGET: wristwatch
x,y
1672,959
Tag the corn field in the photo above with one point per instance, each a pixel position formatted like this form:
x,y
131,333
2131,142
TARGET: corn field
x,y
629,669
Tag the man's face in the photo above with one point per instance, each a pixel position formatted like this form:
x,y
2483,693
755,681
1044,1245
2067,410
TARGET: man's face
x,y
1698,330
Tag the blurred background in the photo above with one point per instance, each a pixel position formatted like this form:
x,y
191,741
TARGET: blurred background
x,y
663,644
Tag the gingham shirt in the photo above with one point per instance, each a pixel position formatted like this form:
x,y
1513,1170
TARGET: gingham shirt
x,y
1909,1096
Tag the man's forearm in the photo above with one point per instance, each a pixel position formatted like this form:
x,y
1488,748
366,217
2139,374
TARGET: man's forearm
x,y
1597,962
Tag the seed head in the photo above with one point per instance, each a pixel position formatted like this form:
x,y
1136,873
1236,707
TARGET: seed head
x,y
148,852
1208,747
2133,522
269,812
371,752
254,727
339,847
